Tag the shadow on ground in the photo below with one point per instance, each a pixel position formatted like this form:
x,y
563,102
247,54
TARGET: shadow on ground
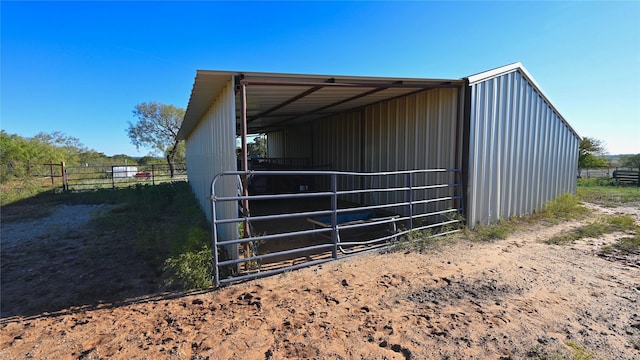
x,y
55,256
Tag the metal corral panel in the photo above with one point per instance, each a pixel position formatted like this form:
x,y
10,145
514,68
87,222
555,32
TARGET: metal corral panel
x,y
522,153
210,150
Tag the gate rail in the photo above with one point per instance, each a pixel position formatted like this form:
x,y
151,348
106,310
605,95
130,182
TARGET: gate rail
x,y
407,200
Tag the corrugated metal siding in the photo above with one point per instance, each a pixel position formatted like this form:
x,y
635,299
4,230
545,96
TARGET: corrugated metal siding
x,y
413,132
521,152
210,150
338,142
275,144
291,142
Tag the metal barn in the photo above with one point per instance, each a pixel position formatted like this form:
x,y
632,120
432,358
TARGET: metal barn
x,y
414,152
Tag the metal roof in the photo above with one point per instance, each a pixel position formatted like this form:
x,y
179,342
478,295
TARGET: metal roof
x,y
275,100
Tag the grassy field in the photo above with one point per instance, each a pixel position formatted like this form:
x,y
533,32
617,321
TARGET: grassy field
x,y
604,192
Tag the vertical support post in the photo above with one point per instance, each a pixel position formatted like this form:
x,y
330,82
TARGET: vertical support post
x,y
459,180
153,174
245,160
245,168
334,214
113,179
409,184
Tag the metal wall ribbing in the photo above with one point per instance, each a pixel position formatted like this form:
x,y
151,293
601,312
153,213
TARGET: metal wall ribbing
x,y
210,151
292,142
275,144
521,151
413,132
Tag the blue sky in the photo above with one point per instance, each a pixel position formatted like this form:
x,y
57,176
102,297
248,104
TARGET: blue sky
x,y
81,67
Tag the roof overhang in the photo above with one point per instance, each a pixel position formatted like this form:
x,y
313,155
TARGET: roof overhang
x,y
278,100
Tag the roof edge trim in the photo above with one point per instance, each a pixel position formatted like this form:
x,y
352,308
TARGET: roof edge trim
x,y
496,72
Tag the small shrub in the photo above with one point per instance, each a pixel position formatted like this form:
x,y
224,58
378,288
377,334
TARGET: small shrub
x,y
499,231
626,245
190,270
599,227
420,241
621,223
564,207
579,352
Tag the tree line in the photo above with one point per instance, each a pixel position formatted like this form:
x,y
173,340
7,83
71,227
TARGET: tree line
x,y
23,156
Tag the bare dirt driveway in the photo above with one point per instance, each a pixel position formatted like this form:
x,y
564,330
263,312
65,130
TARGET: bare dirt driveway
x,y
509,299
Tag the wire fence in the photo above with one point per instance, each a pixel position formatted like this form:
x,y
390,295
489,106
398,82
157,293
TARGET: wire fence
x,y
116,176
604,172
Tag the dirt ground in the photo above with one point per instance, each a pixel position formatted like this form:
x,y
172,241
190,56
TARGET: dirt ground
x,y
509,299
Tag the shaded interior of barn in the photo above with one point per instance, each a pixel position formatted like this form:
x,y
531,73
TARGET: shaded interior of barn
x,y
360,126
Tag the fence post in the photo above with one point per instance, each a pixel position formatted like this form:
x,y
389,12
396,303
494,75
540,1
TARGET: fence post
x,y
113,179
63,169
153,174
334,214
51,172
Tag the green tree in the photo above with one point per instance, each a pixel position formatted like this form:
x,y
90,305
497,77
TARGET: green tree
x,y
157,128
19,155
258,147
151,160
60,147
123,159
13,155
632,161
589,154
93,158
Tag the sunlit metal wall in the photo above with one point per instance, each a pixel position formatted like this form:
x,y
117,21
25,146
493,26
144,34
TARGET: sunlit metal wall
x,y
522,153
210,150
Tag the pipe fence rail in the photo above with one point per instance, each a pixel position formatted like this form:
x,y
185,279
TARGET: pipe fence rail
x,y
117,176
307,218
